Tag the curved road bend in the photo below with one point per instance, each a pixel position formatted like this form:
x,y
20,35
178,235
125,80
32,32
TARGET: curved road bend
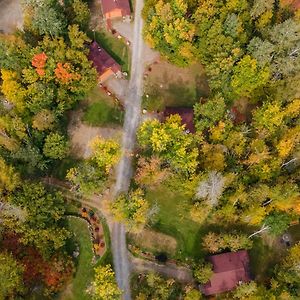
x,y
124,170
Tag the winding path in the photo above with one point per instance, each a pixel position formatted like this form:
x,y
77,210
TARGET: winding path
x,y
124,171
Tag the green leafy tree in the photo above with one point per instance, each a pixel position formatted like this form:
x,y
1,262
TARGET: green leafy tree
x,y
56,146
247,76
132,209
168,30
11,273
79,13
43,225
169,141
192,294
47,16
203,272
207,114
277,222
104,284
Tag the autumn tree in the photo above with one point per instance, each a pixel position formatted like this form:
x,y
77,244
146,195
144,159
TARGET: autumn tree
x,y
91,175
214,242
247,76
43,225
170,142
287,274
150,172
9,178
132,209
168,30
11,273
104,284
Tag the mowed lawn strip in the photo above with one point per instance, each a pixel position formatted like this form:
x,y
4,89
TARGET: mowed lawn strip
x,y
101,110
85,269
173,219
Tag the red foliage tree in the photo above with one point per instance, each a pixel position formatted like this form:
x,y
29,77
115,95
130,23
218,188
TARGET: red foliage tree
x,y
63,73
39,62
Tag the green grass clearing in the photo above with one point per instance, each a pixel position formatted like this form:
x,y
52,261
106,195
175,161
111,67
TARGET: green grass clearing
x,y
101,110
168,85
84,269
173,219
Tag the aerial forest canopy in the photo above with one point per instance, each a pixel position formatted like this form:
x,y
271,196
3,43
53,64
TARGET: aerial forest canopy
x,y
245,46
44,72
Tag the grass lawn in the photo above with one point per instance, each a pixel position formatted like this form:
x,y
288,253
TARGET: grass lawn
x,y
101,110
84,269
295,233
174,220
263,258
117,48
168,85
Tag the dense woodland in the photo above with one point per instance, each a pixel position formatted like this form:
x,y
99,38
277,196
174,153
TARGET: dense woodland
x,y
240,171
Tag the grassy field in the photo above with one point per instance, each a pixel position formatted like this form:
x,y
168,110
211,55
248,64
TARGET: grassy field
x,y
117,48
84,269
173,219
168,85
101,110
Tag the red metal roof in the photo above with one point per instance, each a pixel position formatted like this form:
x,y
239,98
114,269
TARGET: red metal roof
x,y
102,60
230,269
186,114
110,5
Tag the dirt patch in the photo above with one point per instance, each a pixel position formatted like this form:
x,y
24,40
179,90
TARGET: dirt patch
x,y
81,135
10,15
154,241
168,85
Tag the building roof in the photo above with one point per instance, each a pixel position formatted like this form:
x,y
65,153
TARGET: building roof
x,y
294,4
230,269
109,6
102,61
186,114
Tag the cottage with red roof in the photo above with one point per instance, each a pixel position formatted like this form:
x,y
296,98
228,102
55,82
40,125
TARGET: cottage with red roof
x,y
115,9
105,65
186,114
230,270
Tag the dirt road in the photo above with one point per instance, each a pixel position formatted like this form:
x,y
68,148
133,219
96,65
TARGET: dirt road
x,y
10,15
124,171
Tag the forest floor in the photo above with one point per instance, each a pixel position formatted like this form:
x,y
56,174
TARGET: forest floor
x,y
168,85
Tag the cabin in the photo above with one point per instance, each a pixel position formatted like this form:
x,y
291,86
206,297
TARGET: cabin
x,y
230,269
105,65
113,9
186,114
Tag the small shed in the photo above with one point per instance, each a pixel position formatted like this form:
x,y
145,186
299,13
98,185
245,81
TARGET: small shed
x,y
230,269
115,9
186,114
105,65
